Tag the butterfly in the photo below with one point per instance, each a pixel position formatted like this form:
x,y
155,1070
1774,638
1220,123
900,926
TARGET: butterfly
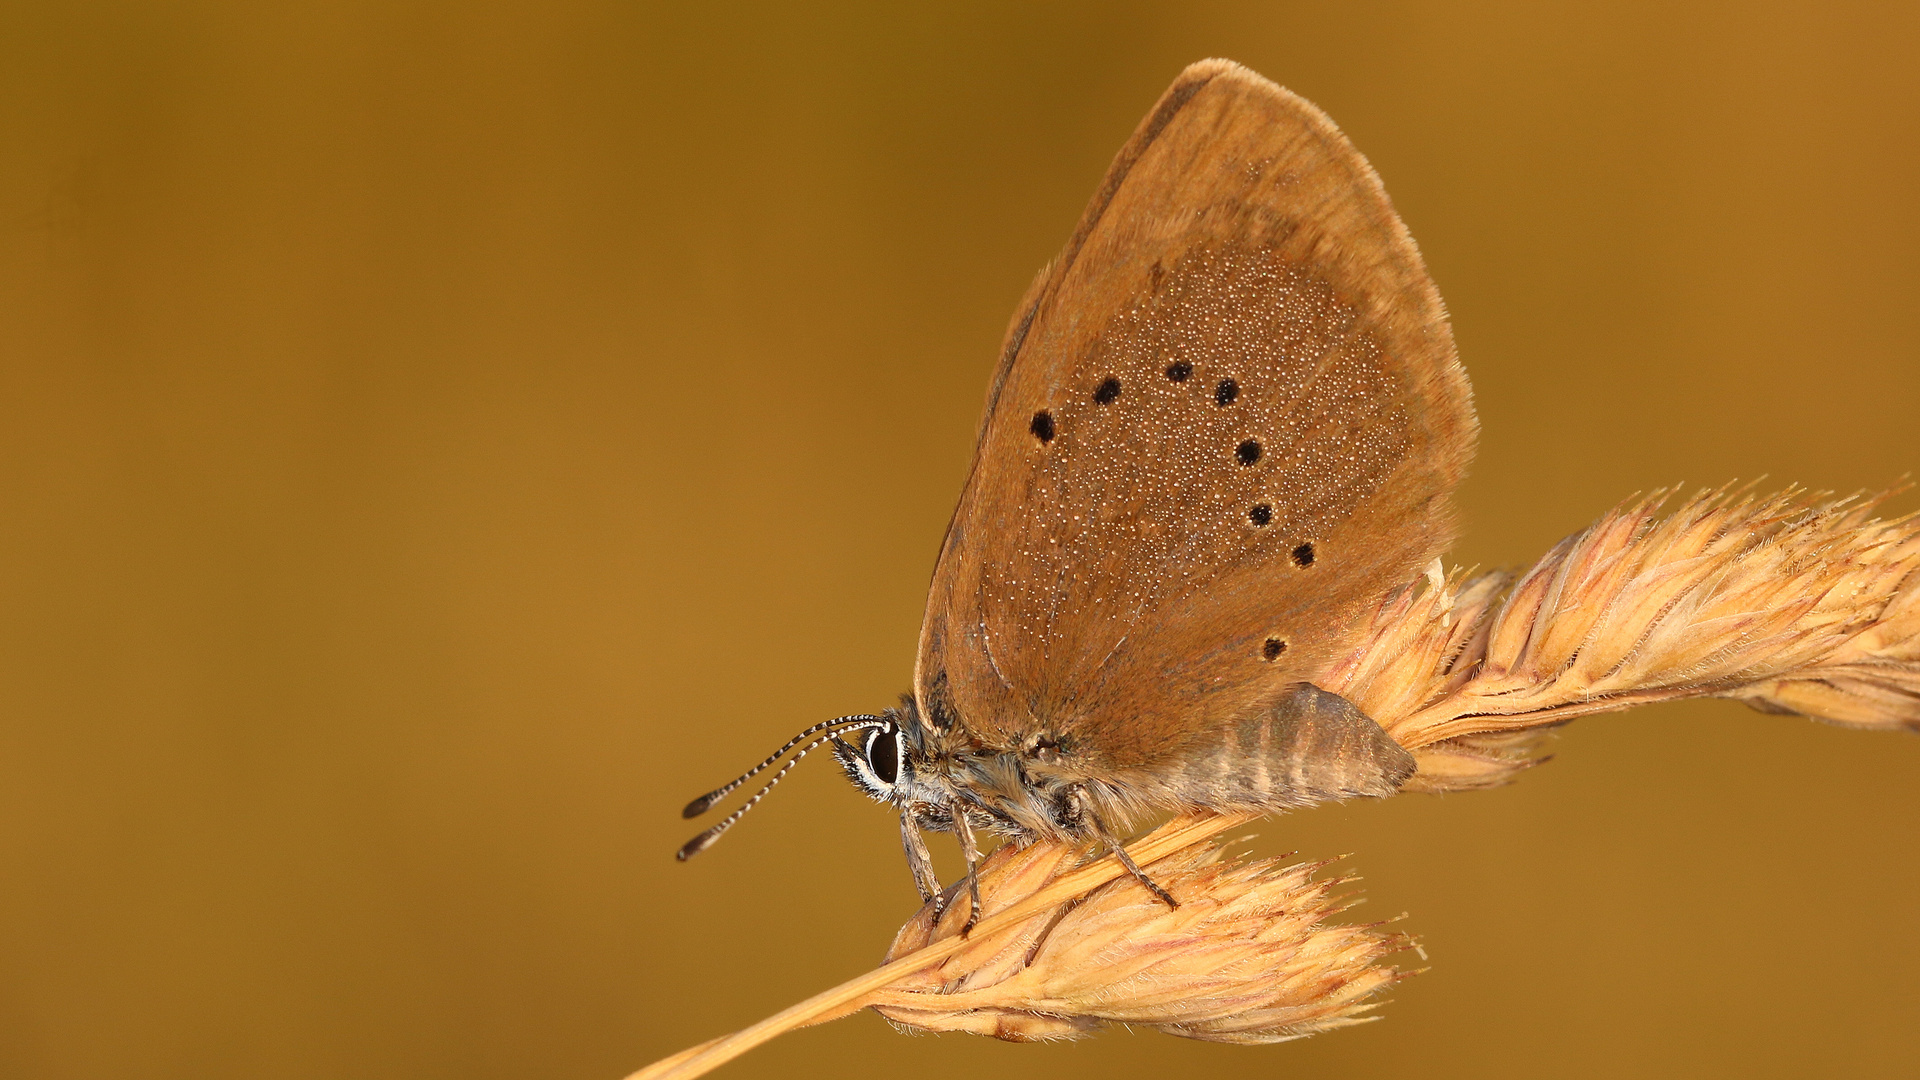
x,y
1225,425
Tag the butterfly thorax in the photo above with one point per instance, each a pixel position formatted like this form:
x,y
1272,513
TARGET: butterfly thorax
x,y
1023,792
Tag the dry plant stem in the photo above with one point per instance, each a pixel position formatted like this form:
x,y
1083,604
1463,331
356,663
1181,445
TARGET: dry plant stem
x,y
850,996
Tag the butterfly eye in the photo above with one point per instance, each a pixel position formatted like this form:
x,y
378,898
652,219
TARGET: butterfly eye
x,y
883,755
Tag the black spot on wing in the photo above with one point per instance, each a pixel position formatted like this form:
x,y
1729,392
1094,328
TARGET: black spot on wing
x,y
1042,426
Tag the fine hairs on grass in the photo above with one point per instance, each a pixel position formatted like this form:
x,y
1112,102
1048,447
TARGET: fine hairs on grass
x,y
1793,602
1247,957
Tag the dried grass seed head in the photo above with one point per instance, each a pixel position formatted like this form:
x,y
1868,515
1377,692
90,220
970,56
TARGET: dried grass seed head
x,y
1248,957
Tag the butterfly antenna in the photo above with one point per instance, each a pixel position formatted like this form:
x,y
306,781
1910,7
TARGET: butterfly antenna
x,y
705,802
705,840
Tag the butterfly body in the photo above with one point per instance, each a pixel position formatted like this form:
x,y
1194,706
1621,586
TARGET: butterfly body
x,y
1309,747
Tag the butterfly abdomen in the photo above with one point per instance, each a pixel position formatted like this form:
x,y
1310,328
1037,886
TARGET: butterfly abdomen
x,y
1307,747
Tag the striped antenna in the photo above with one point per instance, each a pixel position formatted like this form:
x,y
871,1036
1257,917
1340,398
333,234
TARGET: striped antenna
x,y
705,802
705,840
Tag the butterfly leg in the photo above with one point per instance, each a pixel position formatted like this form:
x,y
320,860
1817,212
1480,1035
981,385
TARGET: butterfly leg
x,y
971,851
1083,806
919,859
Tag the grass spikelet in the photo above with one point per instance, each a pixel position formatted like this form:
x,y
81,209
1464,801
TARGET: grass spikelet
x,y
1248,957
1793,602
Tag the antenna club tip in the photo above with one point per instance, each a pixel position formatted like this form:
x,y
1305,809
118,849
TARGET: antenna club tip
x,y
696,845
697,807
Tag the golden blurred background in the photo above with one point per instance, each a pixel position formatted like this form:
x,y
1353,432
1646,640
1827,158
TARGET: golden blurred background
x,y
436,441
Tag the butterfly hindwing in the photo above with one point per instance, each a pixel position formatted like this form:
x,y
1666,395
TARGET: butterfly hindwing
x,y
1226,422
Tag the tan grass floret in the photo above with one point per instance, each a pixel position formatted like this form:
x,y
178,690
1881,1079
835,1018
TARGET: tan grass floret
x,y
1248,957
1791,603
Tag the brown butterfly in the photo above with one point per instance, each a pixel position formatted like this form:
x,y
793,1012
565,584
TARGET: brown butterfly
x,y
1225,425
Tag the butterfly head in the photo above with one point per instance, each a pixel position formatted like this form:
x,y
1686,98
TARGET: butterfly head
x,y
902,762
880,764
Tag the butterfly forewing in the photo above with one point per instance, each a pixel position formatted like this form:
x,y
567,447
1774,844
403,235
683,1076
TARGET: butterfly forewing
x,y
1226,423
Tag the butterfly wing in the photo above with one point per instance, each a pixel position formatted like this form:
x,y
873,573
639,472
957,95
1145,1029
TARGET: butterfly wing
x,y
1225,424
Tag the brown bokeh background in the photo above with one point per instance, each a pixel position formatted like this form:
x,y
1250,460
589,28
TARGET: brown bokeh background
x,y
437,441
